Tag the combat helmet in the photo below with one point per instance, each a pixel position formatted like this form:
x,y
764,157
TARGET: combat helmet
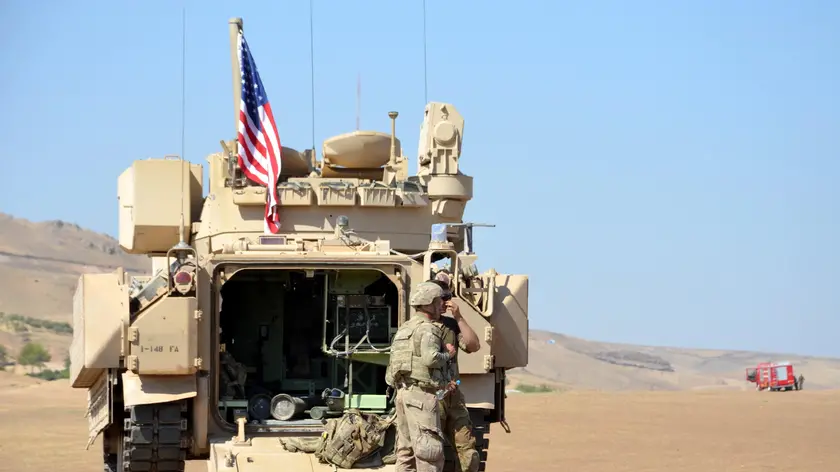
x,y
425,293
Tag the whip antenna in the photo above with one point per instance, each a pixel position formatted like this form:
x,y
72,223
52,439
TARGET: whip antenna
x,y
425,80
312,71
358,100
181,241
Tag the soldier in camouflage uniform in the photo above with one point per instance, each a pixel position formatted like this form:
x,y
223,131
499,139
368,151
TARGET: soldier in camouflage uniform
x,y
416,371
454,415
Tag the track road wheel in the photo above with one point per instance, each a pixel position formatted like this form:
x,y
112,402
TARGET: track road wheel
x,y
481,428
155,438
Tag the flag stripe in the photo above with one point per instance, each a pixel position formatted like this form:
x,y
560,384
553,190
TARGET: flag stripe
x,y
259,143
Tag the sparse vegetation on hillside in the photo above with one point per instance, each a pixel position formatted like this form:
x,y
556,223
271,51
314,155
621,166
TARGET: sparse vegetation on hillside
x,y
52,374
528,388
24,324
33,355
637,359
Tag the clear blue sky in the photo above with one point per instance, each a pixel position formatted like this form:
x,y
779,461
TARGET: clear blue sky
x,y
666,172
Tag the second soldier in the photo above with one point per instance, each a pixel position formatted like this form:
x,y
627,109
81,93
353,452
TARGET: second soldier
x,y
454,415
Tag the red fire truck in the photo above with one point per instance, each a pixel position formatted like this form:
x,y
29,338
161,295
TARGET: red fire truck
x,y
774,376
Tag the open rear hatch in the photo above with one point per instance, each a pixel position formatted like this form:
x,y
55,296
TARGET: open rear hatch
x,y
287,356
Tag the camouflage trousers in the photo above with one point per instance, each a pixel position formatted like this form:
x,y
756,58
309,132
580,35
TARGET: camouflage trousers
x,y
419,438
457,429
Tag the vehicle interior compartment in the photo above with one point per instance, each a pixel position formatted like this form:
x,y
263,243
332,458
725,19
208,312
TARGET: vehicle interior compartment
x,y
283,344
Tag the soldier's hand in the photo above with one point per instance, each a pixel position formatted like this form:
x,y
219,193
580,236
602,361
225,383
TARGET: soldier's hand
x,y
450,349
453,307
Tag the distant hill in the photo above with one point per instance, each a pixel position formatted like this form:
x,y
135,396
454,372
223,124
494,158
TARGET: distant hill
x,y
40,264
561,361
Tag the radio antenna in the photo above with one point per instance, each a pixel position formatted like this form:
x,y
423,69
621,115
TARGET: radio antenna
x,y
181,242
358,100
425,79
312,71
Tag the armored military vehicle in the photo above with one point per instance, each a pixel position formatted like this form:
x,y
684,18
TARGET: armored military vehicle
x,y
240,337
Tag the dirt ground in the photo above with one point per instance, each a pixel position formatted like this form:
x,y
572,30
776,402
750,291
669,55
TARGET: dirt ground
x,y
42,427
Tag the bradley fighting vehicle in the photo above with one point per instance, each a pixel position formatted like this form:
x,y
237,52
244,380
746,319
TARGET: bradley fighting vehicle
x,y
238,338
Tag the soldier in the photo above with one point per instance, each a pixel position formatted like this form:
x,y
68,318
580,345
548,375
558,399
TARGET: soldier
x,y
416,371
454,415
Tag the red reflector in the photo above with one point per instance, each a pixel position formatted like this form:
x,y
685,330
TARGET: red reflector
x,y
183,278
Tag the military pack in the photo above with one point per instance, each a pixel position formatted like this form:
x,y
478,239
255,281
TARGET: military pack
x,y
349,440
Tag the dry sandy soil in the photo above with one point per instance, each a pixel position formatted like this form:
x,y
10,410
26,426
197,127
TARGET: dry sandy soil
x,y
42,427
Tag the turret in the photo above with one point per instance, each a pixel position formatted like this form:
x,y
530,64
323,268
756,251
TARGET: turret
x,y
362,175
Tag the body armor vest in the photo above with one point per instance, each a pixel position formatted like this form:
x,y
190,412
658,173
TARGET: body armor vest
x,y
405,363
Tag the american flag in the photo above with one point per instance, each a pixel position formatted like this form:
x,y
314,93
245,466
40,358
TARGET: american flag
x,y
259,143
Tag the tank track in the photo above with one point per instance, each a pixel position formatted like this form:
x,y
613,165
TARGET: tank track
x,y
481,428
154,438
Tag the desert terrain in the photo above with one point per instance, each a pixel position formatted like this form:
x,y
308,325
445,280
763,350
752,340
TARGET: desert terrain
x,y
43,428
602,406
